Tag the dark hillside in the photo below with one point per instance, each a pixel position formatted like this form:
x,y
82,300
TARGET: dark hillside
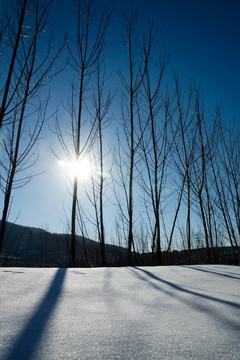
x,y
27,246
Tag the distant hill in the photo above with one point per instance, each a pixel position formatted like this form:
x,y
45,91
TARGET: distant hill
x,y
29,246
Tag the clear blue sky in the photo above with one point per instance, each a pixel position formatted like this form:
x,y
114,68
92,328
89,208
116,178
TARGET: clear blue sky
x,y
202,39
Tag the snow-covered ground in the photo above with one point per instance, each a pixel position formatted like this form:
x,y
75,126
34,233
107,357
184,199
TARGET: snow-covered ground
x,y
177,312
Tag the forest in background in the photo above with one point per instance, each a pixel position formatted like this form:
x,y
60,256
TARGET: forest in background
x,y
174,162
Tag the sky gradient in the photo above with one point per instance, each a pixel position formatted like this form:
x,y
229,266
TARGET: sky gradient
x,y
203,41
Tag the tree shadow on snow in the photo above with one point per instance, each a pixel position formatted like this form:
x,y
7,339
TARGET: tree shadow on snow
x,y
28,340
203,307
211,272
179,288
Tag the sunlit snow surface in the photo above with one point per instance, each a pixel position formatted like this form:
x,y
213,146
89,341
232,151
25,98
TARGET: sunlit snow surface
x,y
178,312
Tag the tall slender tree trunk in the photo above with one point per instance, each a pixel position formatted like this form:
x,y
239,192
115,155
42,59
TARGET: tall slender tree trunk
x,y
158,236
73,222
8,192
130,197
130,213
5,212
156,190
188,224
205,228
75,183
176,215
102,235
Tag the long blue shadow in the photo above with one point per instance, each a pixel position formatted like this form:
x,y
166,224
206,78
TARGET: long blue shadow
x,y
212,272
179,288
29,339
211,312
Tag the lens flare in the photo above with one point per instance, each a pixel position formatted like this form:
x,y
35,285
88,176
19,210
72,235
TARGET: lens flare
x,y
103,174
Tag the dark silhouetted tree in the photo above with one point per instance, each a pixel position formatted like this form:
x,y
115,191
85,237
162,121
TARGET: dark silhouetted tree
x,y
85,51
25,113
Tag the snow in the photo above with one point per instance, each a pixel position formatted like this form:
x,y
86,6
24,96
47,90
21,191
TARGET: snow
x,y
170,312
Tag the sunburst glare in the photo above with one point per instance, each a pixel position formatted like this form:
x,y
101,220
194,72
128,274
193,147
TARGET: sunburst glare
x,y
80,168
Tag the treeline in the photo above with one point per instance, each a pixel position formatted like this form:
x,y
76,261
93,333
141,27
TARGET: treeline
x,y
175,164
34,247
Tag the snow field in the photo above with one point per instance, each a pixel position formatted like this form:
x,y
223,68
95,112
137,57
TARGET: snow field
x,y
145,313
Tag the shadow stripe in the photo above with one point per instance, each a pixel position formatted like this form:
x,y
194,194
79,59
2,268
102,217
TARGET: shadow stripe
x,y
30,337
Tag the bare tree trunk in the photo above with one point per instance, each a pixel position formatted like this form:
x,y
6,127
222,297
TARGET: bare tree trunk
x,y
136,69
84,54
73,222
205,229
188,222
184,140
102,104
5,213
130,208
132,150
102,236
131,88
176,215
205,137
30,70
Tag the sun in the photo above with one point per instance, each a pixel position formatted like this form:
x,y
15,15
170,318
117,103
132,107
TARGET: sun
x,y
80,168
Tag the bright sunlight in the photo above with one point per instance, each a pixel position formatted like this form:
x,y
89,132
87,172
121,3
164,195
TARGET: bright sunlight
x,y
80,168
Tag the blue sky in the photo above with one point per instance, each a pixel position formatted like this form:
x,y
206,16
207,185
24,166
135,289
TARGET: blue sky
x,y
203,41
201,37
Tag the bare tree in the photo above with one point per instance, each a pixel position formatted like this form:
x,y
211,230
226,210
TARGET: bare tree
x,y
183,149
205,137
101,104
85,51
27,114
229,157
222,195
155,148
137,59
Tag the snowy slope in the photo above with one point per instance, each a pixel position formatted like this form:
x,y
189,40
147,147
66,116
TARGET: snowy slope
x,y
178,312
